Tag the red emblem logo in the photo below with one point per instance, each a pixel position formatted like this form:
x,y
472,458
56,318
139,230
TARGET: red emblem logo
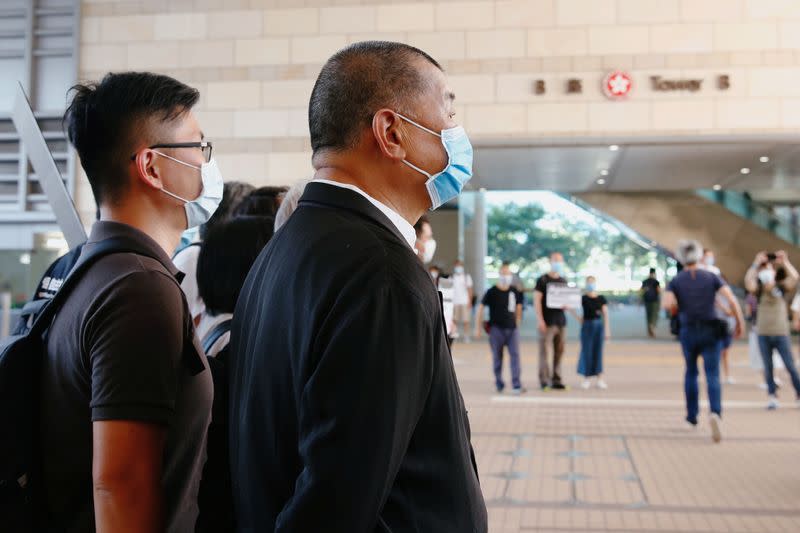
x,y
617,85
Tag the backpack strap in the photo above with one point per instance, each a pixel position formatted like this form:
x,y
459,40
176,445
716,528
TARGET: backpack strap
x,y
113,245
216,334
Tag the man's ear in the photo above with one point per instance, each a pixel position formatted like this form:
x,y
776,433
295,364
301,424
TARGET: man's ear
x,y
147,170
389,133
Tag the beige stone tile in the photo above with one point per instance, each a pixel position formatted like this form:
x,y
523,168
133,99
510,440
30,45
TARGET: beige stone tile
x,y
683,115
316,49
557,64
180,26
748,113
348,19
234,95
558,42
586,12
206,54
286,93
775,82
619,116
406,17
90,29
473,89
648,11
289,167
98,57
525,13
682,38
619,40
501,119
558,117
216,124
246,24
126,29
746,36
585,63
261,123
397,37
291,22
772,9
790,113
269,51
789,34
153,55
465,15
746,58
495,44
712,10
445,45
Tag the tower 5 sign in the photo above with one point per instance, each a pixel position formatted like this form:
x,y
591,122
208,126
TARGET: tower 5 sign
x,y
617,85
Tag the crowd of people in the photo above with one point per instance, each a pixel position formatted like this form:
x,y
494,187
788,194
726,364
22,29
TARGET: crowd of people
x,y
222,357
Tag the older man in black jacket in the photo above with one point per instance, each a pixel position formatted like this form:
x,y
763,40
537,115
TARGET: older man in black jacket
x,y
345,410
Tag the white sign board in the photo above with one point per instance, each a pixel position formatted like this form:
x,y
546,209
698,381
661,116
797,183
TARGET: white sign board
x,y
563,296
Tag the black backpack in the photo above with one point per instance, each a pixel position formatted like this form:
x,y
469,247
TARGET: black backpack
x,y
21,358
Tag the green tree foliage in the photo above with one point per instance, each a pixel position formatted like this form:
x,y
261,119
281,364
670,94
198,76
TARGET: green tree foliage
x,y
527,234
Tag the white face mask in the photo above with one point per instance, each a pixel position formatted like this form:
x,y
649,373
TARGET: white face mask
x,y
767,276
199,210
505,281
429,251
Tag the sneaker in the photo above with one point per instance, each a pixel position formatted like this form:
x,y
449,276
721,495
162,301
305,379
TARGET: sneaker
x,y
544,388
602,384
586,384
691,424
499,390
558,386
773,402
716,431
516,391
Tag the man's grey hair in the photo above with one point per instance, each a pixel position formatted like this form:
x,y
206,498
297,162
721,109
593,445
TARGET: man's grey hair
x,y
289,203
690,252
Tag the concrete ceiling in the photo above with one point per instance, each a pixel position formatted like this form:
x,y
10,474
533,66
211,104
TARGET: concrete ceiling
x,y
644,165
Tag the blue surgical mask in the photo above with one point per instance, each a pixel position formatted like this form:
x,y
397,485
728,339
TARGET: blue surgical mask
x,y
447,184
199,210
557,267
591,287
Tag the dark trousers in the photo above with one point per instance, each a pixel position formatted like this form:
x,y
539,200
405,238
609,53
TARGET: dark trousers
x,y
590,362
554,337
652,309
766,344
701,339
498,339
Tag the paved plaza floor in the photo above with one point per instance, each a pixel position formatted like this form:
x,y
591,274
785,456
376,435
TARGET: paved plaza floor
x,y
622,459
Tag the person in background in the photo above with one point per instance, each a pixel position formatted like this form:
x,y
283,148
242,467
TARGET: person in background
x,y
505,316
342,384
186,259
552,324
724,313
289,203
126,396
771,277
462,299
651,295
693,294
425,244
262,202
595,330
435,272
229,251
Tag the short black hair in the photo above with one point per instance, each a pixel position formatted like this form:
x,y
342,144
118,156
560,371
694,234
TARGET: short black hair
x,y
226,256
233,192
652,270
356,82
261,202
105,120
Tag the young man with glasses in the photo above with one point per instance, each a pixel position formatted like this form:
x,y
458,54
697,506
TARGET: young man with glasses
x,y
126,393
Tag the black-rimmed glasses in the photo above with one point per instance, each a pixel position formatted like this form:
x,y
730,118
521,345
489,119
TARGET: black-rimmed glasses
x,y
204,146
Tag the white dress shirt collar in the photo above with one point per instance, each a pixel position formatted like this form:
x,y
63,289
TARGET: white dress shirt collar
x,y
402,225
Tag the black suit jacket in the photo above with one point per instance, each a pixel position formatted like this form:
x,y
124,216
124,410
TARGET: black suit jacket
x,y
345,411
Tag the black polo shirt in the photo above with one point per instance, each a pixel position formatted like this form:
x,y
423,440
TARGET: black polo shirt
x,y
123,348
